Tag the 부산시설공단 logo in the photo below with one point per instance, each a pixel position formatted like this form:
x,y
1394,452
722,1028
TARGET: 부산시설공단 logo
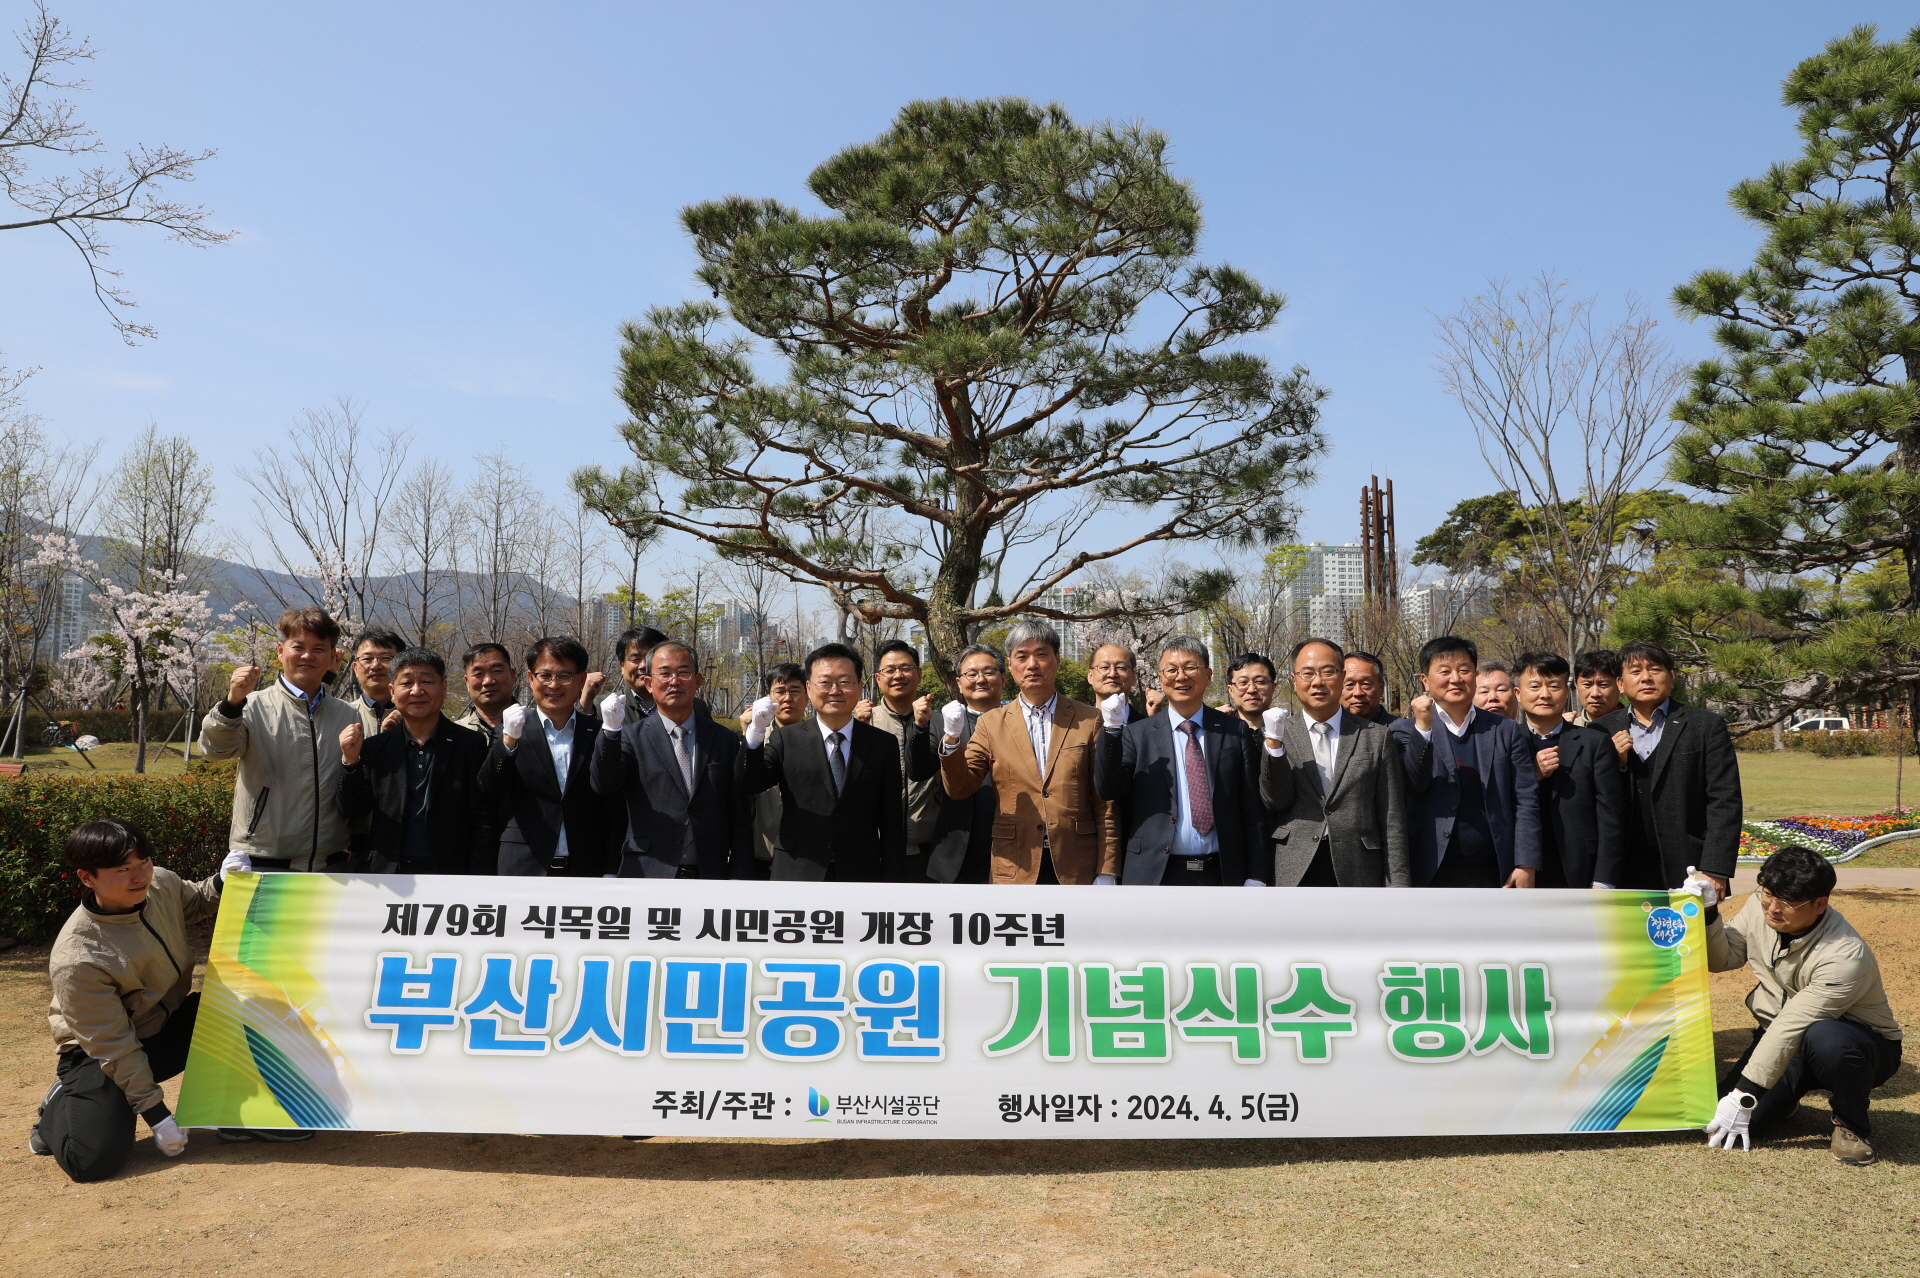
x,y
817,1105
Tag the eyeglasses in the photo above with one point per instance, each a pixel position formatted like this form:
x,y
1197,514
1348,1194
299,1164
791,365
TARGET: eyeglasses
x,y
1113,667
374,661
554,676
976,676
676,672
837,685
1258,682
1768,898
1310,673
1182,672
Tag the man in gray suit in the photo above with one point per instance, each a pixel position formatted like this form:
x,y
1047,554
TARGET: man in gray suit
x,y
1334,782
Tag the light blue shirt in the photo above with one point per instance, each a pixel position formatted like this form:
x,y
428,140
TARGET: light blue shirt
x,y
1646,740
313,702
560,745
1186,840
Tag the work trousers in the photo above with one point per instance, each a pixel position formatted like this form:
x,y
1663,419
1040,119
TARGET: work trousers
x,y
1838,1057
86,1121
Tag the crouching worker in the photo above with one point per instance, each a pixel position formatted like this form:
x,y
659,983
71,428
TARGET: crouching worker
x,y
1824,1020
417,784
122,1012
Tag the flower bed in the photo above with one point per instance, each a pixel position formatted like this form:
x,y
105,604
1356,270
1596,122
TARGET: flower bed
x,y
1831,836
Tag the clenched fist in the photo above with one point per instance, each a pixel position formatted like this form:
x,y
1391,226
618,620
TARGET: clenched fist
x,y
1547,762
923,711
1422,707
242,682
592,685
1623,745
352,737
1155,699
863,711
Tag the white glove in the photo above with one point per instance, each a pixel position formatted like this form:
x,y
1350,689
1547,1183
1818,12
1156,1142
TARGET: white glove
x,y
613,711
1708,890
1274,722
1253,883
236,860
1113,711
168,1137
1105,880
953,718
1731,1121
762,720
513,722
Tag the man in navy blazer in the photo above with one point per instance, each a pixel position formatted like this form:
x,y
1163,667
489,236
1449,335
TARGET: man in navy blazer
x,y
537,775
1472,791
1185,780
674,769
1583,799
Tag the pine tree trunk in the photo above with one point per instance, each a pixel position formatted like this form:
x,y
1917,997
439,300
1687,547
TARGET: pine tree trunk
x,y
949,601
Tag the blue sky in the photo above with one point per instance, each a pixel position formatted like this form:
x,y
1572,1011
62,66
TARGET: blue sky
x,y
446,210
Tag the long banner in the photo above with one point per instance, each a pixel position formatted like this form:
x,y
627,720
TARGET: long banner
x,y
682,1007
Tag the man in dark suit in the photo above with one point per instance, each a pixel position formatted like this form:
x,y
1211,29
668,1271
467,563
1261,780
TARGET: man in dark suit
x,y
841,818
1473,790
1332,783
674,770
1582,801
415,787
1183,781
963,846
1251,683
1365,690
538,775
1683,779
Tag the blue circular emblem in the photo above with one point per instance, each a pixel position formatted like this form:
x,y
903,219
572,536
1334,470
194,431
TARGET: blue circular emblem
x,y
1690,909
1666,927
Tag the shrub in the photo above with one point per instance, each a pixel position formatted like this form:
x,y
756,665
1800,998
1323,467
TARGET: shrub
x,y
1834,745
108,725
186,817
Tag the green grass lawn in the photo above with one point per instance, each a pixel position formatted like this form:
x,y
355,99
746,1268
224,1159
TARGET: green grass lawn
x,y
1794,784
115,756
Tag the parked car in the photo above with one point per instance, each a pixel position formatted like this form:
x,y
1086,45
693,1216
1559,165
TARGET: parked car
x,y
1826,724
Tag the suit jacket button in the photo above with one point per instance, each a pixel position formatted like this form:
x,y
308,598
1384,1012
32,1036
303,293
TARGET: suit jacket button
x,y
1045,794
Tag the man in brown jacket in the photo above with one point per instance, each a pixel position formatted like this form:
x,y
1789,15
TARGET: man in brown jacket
x,y
1050,827
123,1011
1824,1020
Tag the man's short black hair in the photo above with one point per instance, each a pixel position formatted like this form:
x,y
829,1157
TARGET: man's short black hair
x,y
785,672
1495,667
560,648
1251,659
472,654
380,639
1595,661
1379,667
101,845
1649,652
980,650
1447,646
1339,653
897,645
837,652
1797,874
645,637
1548,665
419,657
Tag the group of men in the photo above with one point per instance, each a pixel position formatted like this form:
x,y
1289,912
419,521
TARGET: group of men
x,y
1491,780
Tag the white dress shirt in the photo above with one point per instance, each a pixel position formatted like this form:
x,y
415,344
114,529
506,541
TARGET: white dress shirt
x,y
1441,716
1039,723
845,733
560,745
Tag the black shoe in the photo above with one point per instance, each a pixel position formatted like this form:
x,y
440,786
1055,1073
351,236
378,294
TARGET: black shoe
x,y
631,1137
36,1142
265,1135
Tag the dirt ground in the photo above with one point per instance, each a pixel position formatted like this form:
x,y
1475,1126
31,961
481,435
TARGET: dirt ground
x,y
369,1205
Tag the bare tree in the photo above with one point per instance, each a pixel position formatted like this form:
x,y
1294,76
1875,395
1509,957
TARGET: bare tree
x,y
424,529
580,544
156,514
504,514
758,590
319,500
1570,413
85,202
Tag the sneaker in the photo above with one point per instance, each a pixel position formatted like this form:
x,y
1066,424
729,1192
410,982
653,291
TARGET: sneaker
x,y
37,1143
265,1135
1849,1148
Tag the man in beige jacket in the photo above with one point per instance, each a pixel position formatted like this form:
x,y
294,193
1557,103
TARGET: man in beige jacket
x,y
1824,1020
122,1012
286,737
1050,825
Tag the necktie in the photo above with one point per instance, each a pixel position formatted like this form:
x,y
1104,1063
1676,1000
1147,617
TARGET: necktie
x,y
683,750
837,760
1199,796
1322,751
1037,734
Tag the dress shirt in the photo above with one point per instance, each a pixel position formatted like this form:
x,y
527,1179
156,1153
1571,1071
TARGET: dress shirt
x,y
1546,736
1333,749
313,702
1186,840
1646,740
1457,729
845,733
560,745
1040,728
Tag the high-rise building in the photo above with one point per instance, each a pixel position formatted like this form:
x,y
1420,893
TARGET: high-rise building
x,y
1433,608
1066,599
1331,587
74,622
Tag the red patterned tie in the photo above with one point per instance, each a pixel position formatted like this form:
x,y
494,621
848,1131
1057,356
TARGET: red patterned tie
x,y
1199,797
